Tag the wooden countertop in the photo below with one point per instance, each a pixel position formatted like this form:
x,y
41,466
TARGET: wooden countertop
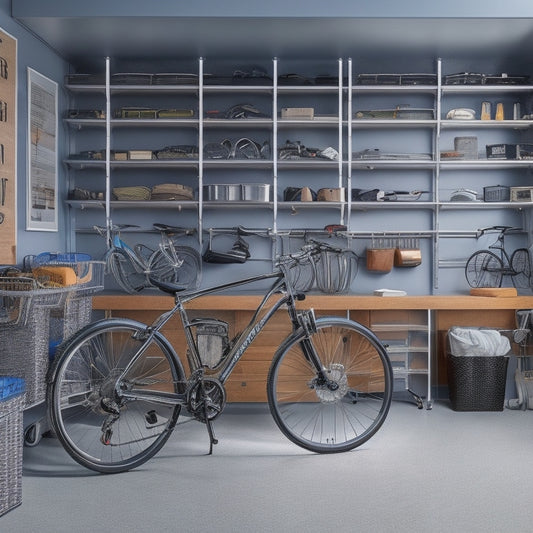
x,y
333,302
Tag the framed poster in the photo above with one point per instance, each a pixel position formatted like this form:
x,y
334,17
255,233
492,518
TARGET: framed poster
x,y
8,148
41,211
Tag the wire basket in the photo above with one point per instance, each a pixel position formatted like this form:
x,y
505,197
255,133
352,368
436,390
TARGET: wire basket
x,y
335,269
302,274
25,353
11,442
68,319
24,331
56,271
15,300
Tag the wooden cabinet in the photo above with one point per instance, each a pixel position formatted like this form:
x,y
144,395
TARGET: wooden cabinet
x,y
412,322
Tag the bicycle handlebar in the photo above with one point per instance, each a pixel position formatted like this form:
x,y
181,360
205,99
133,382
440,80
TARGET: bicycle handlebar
x,y
500,229
310,249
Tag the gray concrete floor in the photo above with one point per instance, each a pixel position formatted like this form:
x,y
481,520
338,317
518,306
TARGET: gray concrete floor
x,y
435,470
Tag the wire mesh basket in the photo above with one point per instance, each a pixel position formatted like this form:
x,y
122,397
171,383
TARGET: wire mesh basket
x,y
69,271
68,319
335,269
301,273
11,442
24,353
15,300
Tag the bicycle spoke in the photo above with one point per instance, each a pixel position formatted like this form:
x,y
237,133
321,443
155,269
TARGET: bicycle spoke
x,y
98,428
345,410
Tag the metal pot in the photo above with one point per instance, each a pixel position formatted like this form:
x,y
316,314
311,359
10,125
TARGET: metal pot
x,y
256,192
225,192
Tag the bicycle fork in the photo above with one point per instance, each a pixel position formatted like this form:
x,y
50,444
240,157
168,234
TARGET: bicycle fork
x,y
307,321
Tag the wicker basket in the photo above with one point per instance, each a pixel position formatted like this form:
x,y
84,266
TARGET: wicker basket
x,y
35,319
11,441
477,383
69,318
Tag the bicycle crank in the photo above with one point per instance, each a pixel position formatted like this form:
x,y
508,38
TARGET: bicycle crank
x,y
207,399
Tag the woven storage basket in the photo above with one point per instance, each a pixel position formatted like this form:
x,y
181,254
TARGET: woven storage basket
x,y
11,441
477,383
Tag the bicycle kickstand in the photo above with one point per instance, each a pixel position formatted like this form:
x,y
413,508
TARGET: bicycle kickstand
x,y
212,439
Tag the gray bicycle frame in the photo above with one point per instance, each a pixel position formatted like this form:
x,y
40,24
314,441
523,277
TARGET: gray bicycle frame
x,y
253,329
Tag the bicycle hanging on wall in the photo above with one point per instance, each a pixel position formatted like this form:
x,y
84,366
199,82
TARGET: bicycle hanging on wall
x,y
488,268
134,268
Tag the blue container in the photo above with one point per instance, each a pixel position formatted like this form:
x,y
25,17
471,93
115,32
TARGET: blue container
x,y
11,386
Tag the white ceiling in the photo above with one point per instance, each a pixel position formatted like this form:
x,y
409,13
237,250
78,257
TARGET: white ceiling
x,y
407,44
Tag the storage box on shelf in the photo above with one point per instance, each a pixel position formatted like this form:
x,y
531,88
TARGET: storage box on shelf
x,y
11,442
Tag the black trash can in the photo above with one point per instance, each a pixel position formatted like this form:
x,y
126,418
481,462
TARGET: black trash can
x,y
476,382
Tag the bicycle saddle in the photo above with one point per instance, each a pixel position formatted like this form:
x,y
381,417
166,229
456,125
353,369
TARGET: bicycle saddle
x,y
167,286
173,229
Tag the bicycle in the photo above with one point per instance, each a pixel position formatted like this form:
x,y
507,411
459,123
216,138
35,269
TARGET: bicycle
x,y
117,387
133,268
485,268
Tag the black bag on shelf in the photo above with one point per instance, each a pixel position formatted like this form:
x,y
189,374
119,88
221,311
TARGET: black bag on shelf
x,y
238,253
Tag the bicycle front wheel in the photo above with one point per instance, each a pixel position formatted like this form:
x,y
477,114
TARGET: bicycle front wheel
x,y
97,427
484,269
182,265
345,413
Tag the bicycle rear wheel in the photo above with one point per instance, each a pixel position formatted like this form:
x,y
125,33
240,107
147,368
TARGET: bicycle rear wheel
x,y
340,417
98,428
182,265
484,269
124,272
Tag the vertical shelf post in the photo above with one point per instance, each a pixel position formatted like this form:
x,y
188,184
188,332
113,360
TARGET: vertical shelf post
x,y
108,221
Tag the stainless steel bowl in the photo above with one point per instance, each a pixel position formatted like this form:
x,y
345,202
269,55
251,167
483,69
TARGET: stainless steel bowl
x,y
225,192
256,192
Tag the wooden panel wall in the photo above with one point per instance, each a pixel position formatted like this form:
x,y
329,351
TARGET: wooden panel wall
x,y
8,78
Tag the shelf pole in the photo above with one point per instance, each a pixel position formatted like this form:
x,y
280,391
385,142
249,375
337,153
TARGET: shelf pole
x,y
275,144
349,147
108,150
436,196
340,162
200,148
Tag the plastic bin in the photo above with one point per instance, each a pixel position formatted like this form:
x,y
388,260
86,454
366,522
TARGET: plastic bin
x,y
476,382
11,442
